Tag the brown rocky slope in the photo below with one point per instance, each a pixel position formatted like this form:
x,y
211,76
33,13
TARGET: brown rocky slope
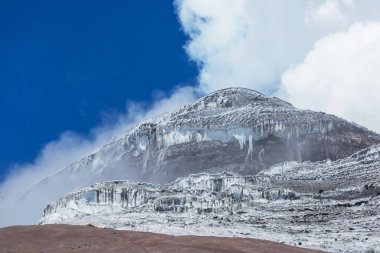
x,y
67,238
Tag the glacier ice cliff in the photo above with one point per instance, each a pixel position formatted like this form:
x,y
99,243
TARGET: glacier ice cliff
x,y
235,129
328,205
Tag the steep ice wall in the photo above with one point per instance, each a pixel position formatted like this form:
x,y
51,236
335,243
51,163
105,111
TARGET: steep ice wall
x,y
245,129
194,194
359,172
318,204
234,129
258,130
239,130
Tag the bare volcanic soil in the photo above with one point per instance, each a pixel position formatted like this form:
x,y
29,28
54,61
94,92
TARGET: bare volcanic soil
x,y
67,238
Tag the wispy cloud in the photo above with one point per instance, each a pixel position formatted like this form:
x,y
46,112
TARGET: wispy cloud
x,y
18,208
288,49
340,75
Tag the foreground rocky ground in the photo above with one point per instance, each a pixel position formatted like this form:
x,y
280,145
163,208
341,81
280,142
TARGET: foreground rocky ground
x,y
67,238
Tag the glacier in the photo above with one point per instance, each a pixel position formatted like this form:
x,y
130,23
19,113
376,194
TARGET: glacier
x,y
327,205
235,129
235,121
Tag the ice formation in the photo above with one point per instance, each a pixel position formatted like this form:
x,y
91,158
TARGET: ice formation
x,y
328,205
259,131
234,129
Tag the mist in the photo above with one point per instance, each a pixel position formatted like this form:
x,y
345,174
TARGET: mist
x,y
23,203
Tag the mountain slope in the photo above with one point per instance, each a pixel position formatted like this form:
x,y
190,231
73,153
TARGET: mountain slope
x,y
64,238
323,204
234,129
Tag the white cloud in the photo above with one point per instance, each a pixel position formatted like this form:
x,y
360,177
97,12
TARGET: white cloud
x,y
252,43
328,12
341,75
69,148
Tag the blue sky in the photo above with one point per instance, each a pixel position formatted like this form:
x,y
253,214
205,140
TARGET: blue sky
x,y
65,63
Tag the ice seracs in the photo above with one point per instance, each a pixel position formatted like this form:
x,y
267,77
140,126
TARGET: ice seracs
x,y
323,205
237,121
235,129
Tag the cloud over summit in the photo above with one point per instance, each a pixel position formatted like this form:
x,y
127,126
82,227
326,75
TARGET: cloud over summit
x,y
312,53
341,74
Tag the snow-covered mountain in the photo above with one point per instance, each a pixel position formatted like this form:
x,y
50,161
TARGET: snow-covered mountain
x,y
329,205
236,129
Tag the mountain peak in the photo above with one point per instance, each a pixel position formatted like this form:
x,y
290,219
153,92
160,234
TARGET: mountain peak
x,y
234,129
236,90
239,97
